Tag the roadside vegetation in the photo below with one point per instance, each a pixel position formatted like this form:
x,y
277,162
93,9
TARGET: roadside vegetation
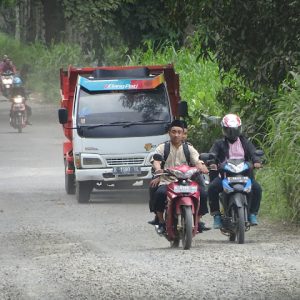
x,y
281,177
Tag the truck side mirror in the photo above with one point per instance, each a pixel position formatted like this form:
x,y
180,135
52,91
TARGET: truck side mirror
x,y
183,109
63,115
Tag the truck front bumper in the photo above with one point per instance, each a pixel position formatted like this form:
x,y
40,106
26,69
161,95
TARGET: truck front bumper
x,y
108,175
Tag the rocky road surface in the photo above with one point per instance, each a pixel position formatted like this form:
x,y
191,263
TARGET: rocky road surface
x,y
51,247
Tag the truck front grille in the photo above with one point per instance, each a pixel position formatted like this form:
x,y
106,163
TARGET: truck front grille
x,y
124,161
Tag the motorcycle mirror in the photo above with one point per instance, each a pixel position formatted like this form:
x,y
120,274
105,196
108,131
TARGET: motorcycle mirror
x,y
259,152
157,157
183,109
207,156
63,115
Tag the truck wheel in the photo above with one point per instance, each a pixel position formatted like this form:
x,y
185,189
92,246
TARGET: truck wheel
x,y
69,182
83,191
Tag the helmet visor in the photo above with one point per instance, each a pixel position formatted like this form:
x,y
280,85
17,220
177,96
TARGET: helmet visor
x,y
232,133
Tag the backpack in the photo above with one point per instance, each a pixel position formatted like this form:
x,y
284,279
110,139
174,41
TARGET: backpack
x,y
185,150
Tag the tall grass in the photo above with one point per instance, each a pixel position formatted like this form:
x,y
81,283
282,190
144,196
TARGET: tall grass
x,y
44,76
199,84
281,180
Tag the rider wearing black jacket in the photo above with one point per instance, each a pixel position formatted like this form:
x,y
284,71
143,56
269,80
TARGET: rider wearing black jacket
x,y
233,143
221,149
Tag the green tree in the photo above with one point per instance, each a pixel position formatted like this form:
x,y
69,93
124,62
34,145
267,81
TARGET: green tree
x,y
260,38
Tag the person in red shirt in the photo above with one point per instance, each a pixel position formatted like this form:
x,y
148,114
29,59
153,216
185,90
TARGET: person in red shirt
x,y
7,65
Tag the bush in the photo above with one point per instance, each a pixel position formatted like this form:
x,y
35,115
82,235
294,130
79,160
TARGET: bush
x,y
282,178
44,73
199,85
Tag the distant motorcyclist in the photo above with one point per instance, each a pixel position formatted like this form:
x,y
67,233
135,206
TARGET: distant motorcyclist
x,y
233,146
7,65
19,90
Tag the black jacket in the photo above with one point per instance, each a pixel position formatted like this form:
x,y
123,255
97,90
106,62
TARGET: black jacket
x,y
221,149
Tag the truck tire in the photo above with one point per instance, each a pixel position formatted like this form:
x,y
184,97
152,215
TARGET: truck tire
x,y
69,182
83,191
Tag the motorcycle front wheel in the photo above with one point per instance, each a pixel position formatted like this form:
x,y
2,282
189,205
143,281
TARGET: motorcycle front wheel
x,y
19,123
238,217
187,227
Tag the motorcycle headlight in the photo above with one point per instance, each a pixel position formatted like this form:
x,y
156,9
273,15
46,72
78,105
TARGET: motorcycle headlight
x,y
183,175
18,99
7,81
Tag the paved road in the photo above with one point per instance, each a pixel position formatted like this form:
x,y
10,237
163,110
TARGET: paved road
x,y
53,248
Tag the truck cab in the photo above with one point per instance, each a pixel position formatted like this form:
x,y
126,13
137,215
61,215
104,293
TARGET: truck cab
x,y
114,118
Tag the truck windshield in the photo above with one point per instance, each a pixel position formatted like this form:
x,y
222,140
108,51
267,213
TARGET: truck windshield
x,y
120,107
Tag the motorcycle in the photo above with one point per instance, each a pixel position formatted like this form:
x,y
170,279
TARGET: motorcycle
x,y
183,202
7,83
235,198
18,115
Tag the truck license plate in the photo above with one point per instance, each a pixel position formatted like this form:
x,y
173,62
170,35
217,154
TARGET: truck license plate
x,y
130,170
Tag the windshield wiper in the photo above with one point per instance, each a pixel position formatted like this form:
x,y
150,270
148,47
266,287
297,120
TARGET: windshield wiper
x,y
104,124
154,121
124,123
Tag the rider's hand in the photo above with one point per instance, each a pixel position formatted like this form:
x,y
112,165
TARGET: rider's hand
x,y
213,167
159,171
154,182
202,168
257,165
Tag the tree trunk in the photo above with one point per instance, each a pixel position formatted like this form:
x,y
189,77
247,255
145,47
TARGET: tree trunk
x,y
18,25
54,20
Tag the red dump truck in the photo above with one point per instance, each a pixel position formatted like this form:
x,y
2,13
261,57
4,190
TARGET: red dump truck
x,y
113,119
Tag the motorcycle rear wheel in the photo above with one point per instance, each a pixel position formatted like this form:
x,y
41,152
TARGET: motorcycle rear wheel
x,y
187,226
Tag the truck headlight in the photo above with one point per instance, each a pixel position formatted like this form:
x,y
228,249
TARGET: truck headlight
x,y
91,160
149,159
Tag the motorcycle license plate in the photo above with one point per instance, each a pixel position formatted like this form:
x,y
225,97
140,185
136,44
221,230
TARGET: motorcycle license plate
x,y
7,86
237,179
185,189
130,170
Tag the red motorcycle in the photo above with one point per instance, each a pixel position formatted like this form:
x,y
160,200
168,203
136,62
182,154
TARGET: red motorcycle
x,y
183,203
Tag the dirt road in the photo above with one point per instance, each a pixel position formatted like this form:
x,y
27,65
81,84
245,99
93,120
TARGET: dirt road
x,y
53,248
